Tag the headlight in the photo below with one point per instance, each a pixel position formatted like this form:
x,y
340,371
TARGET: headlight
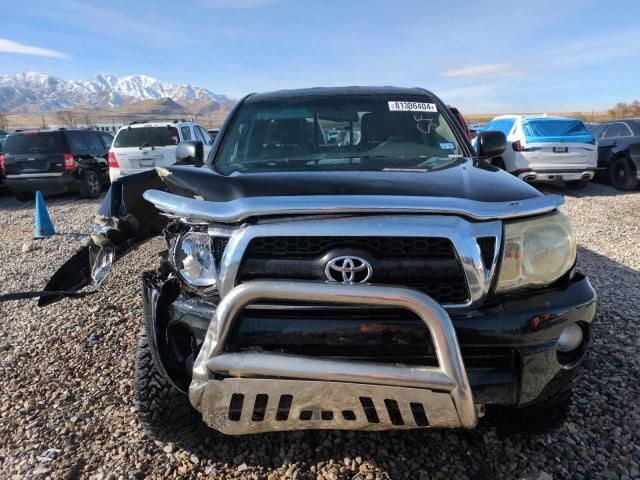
x,y
193,259
536,252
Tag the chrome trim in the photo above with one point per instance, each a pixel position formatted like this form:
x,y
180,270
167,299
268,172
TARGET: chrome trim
x,y
237,210
533,176
27,176
450,376
318,398
461,232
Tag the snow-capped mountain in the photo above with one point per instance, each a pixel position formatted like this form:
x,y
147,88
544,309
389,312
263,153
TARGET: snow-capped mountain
x,y
37,92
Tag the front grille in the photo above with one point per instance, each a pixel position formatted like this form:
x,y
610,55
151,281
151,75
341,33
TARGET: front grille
x,y
429,264
375,335
428,247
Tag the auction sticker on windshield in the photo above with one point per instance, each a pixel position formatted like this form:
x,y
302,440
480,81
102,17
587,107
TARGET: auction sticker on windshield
x,y
398,106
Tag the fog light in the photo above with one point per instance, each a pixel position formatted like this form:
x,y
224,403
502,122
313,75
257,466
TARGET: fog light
x,y
570,339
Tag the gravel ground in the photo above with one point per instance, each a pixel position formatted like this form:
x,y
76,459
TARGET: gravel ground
x,y
66,406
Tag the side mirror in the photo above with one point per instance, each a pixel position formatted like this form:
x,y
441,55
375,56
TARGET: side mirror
x,y
491,144
190,152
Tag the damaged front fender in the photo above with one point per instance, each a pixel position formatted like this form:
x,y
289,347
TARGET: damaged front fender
x,y
124,221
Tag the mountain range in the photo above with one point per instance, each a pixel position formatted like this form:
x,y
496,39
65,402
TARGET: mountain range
x,y
32,92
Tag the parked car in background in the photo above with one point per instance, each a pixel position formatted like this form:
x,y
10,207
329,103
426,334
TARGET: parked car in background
x,y
213,132
144,145
3,139
546,149
56,161
461,121
619,152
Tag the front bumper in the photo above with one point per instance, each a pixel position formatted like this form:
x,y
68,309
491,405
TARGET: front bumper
x,y
545,175
325,393
527,325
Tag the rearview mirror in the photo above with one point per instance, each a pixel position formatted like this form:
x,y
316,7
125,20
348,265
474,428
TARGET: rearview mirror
x,y
190,152
491,144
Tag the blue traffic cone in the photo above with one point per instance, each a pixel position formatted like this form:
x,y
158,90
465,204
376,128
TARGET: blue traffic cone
x,y
44,225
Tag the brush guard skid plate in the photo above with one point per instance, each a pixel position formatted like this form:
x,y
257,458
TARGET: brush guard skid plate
x,y
251,392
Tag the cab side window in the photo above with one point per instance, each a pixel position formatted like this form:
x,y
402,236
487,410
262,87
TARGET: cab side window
x,y
77,142
94,142
205,135
615,130
597,131
199,136
107,140
186,133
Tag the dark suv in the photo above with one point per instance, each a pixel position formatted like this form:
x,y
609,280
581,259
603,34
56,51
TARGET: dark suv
x,y
56,161
619,152
344,260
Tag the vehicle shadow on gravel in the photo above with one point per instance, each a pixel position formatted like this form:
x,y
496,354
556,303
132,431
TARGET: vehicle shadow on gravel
x,y
595,188
591,441
9,203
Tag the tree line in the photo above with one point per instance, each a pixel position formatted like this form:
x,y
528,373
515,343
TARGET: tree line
x,y
625,110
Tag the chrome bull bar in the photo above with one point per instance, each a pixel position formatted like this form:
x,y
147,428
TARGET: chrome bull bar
x,y
249,392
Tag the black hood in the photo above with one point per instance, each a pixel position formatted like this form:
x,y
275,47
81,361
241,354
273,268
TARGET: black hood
x,y
471,179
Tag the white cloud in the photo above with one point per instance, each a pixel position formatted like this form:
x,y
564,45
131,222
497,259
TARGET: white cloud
x,y
494,70
8,46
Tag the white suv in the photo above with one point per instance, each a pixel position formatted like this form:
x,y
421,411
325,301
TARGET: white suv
x,y
546,149
143,146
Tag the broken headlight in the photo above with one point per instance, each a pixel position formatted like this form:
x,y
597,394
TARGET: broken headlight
x,y
536,252
193,259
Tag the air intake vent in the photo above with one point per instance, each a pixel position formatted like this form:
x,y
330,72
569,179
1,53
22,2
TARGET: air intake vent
x,y
218,245
487,250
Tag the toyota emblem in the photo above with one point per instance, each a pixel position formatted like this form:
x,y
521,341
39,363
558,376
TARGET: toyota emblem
x,y
348,269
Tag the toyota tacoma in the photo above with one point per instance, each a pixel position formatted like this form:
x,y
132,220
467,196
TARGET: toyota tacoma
x,y
344,259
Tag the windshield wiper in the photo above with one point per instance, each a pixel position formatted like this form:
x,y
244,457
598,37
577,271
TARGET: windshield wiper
x,y
146,145
350,157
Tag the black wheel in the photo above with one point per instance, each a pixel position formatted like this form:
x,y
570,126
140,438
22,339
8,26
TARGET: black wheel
x,y
622,174
577,184
91,184
163,411
540,417
499,163
24,196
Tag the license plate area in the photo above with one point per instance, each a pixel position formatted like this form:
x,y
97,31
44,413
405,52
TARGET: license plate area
x,y
147,163
560,149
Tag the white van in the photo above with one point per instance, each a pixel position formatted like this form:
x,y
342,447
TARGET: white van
x,y
143,146
547,149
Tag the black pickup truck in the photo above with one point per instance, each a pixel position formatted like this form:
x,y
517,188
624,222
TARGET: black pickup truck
x,y
344,260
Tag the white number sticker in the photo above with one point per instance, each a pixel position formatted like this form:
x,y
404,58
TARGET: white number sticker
x,y
398,106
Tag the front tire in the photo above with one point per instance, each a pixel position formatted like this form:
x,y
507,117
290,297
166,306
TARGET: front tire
x,y
163,411
622,174
91,185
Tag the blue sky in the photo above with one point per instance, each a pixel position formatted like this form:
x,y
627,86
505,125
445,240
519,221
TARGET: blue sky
x,y
485,56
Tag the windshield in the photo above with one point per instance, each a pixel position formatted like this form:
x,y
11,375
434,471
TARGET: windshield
x,y
147,137
339,132
3,140
541,130
34,143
